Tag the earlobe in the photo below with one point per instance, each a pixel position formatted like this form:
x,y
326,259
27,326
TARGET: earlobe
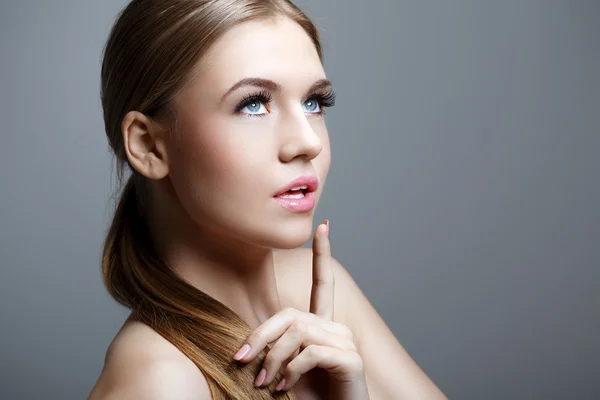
x,y
144,145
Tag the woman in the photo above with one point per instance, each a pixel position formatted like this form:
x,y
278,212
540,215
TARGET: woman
x,y
217,108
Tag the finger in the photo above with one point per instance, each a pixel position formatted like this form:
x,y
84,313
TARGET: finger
x,y
323,283
284,365
266,333
298,336
272,329
341,365
341,330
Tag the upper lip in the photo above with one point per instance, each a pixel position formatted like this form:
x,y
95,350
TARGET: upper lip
x,y
310,181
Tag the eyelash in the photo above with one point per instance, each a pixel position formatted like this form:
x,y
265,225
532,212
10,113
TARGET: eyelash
x,y
325,100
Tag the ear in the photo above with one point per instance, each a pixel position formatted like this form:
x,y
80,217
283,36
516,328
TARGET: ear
x,y
145,145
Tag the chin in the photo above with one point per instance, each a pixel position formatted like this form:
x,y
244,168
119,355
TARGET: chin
x,y
291,242
287,236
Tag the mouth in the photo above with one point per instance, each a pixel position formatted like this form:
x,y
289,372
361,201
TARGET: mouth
x,y
299,188
298,195
293,194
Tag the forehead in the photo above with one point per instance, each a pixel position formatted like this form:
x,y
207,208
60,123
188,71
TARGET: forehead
x,y
277,49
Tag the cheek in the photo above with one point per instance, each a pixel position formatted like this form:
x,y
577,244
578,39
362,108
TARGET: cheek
x,y
212,148
217,162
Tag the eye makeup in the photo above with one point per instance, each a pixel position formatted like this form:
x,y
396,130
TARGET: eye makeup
x,y
325,98
263,96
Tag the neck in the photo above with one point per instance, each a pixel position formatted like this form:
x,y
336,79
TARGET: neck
x,y
236,273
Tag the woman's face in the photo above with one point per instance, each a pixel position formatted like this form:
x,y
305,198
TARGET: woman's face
x,y
237,148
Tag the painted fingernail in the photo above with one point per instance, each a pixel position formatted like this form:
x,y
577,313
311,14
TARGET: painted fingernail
x,y
327,227
242,352
260,378
280,385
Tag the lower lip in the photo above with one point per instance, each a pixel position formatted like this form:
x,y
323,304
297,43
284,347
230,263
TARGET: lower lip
x,y
304,204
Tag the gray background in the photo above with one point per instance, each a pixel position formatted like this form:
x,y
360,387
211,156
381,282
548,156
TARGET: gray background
x,y
463,195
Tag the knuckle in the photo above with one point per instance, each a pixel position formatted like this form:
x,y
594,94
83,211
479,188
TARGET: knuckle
x,y
324,281
311,351
289,311
292,368
257,336
344,331
291,372
299,327
348,333
270,360
355,362
353,347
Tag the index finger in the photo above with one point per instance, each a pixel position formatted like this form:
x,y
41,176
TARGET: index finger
x,y
323,283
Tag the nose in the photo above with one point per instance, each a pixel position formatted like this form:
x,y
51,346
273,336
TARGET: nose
x,y
299,139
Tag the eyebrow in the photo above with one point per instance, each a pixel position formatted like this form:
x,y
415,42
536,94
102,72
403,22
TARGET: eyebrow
x,y
274,86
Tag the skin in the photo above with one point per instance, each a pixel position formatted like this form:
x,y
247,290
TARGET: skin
x,y
215,222
324,343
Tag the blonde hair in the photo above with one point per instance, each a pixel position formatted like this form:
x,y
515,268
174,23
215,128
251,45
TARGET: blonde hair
x,y
149,56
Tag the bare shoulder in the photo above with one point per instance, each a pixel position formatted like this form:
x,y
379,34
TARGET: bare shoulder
x,y
294,280
141,364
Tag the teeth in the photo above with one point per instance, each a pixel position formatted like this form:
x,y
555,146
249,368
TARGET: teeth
x,y
291,196
299,188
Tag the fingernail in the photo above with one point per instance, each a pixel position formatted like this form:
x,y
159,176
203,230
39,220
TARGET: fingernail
x,y
280,385
261,377
242,352
327,227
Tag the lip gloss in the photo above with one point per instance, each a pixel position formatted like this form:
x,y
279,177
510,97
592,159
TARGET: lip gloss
x,y
303,204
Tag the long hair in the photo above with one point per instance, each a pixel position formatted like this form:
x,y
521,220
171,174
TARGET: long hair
x,y
149,56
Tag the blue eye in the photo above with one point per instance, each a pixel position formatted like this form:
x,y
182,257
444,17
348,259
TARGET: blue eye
x,y
255,104
255,108
312,106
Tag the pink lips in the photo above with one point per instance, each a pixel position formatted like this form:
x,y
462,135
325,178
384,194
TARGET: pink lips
x,y
303,204
312,182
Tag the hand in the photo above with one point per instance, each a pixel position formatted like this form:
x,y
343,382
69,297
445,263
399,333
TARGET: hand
x,y
304,341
